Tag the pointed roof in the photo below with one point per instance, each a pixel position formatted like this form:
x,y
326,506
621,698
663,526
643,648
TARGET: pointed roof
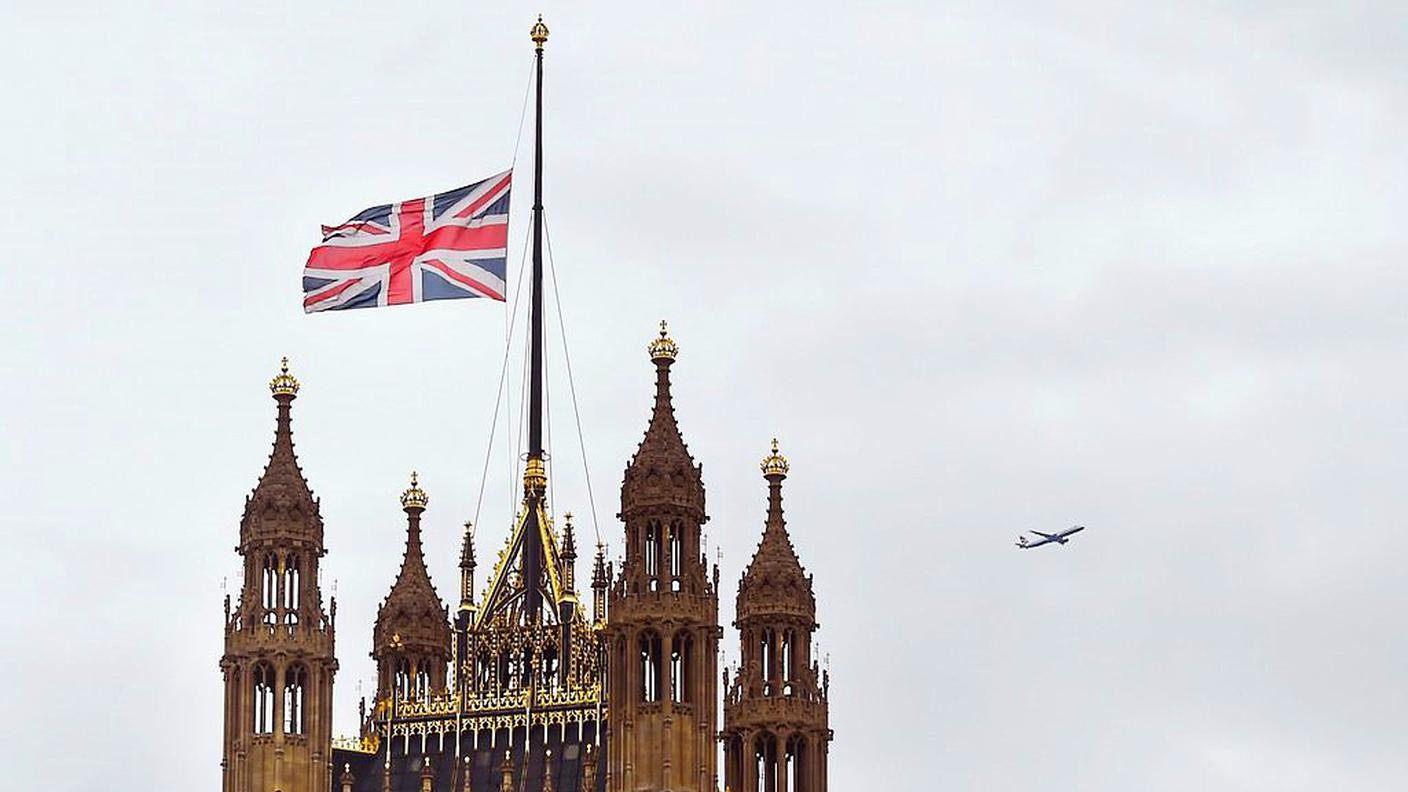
x,y
775,583
662,472
282,504
599,577
569,539
412,614
467,556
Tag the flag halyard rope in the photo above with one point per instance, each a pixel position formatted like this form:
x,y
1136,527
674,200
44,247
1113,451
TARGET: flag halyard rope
x,y
571,383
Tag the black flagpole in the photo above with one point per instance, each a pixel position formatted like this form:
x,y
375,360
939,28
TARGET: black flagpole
x,y
535,405
535,478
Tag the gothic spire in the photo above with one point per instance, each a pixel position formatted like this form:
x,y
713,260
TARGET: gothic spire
x,y
467,565
775,582
662,470
569,539
412,614
282,504
600,580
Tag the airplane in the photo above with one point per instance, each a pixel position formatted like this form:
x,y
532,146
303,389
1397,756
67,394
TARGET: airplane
x,y
1046,538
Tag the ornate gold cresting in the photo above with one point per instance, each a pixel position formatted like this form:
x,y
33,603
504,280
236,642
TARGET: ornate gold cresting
x,y
414,497
284,384
664,347
774,464
539,33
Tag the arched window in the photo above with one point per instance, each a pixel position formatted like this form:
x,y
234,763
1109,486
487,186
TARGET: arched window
x,y
401,684
422,690
765,763
735,759
508,670
295,691
269,587
483,679
652,553
788,657
649,666
676,554
293,581
681,668
263,698
767,659
549,672
796,764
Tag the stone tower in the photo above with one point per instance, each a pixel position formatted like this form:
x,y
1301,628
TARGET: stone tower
x,y
278,663
411,637
776,730
662,626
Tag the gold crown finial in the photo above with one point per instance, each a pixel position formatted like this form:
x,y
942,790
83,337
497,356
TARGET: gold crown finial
x,y
774,464
414,497
284,384
664,347
539,33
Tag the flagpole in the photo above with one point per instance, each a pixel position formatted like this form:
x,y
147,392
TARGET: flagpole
x,y
535,472
535,405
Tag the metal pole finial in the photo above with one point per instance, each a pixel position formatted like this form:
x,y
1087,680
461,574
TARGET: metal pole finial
x,y
539,33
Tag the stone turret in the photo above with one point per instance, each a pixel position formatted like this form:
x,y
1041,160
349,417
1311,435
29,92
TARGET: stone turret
x,y
775,711
279,661
662,613
411,638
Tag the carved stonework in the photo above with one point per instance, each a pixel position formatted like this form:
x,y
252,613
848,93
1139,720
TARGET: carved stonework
x,y
776,718
662,627
282,506
526,687
662,475
412,634
279,662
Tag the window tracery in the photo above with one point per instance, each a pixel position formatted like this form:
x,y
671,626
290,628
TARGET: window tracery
x,y
295,692
650,666
263,698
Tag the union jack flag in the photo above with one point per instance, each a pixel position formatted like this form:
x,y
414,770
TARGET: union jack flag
x,y
447,246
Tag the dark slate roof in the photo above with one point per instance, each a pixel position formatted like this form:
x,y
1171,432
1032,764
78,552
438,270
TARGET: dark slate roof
x,y
485,761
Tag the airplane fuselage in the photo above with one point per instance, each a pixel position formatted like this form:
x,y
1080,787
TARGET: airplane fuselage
x,y
1063,537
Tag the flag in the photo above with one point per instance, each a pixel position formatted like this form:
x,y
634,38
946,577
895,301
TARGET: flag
x,y
448,246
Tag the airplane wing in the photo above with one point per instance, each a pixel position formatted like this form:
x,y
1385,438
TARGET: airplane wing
x,y
1046,535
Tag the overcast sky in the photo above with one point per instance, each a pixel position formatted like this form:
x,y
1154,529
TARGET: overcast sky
x,y
982,268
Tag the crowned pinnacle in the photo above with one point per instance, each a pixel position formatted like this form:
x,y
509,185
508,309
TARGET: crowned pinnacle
x,y
664,347
284,384
539,33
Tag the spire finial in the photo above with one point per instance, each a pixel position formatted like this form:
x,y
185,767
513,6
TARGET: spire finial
x,y
414,497
284,384
569,538
539,33
774,464
664,347
467,558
